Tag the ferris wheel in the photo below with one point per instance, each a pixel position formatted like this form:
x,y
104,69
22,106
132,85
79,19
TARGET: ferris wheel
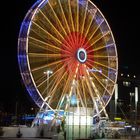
x,y
67,55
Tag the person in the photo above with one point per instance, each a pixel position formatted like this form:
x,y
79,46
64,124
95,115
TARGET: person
x,y
65,135
63,125
58,128
63,128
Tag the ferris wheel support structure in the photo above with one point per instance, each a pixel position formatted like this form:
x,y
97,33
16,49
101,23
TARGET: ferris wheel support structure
x,y
72,39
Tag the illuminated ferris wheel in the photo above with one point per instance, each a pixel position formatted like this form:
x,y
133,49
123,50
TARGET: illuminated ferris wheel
x,y
67,55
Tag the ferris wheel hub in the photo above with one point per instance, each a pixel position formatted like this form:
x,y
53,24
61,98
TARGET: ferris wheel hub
x,y
82,55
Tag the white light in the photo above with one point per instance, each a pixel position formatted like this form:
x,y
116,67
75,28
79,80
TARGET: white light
x,y
134,76
121,74
94,70
136,94
48,72
116,97
90,78
132,94
100,71
76,120
116,92
47,98
128,75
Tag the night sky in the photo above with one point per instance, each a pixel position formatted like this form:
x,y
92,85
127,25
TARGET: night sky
x,y
122,16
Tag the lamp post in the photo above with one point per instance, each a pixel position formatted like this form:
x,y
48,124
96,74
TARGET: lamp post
x,y
131,97
136,103
48,72
116,98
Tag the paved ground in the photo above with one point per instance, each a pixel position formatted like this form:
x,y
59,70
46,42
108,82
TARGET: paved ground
x,y
138,138
23,139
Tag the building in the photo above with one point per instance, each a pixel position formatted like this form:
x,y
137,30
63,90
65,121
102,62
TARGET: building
x,y
125,102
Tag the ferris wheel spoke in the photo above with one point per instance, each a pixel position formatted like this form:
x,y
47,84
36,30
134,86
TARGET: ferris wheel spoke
x,y
89,24
100,100
67,22
52,75
41,47
44,55
74,73
44,43
101,56
43,82
40,79
79,94
87,78
62,38
56,85
47,33
69,97
101,47
49,46
51,24
101,73
66,46
95,30
84,17
84,92
67,42
71,73
106,46
95,92
102,103
77,16
56,17
44,38
60,22
91,36
99,38
47,65
53,83
64,17
70,40
90,90
103,65
100,83
70,14
65,90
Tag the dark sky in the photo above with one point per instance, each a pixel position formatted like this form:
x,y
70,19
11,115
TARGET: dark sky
x,y
122,16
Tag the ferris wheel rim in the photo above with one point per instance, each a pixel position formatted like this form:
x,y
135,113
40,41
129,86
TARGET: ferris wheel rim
x,y
28,40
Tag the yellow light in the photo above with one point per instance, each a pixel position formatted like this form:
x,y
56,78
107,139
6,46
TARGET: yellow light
x,y
117,119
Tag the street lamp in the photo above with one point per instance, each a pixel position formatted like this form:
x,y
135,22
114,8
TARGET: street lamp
x,y
131,96
116,98
136,103
48,73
